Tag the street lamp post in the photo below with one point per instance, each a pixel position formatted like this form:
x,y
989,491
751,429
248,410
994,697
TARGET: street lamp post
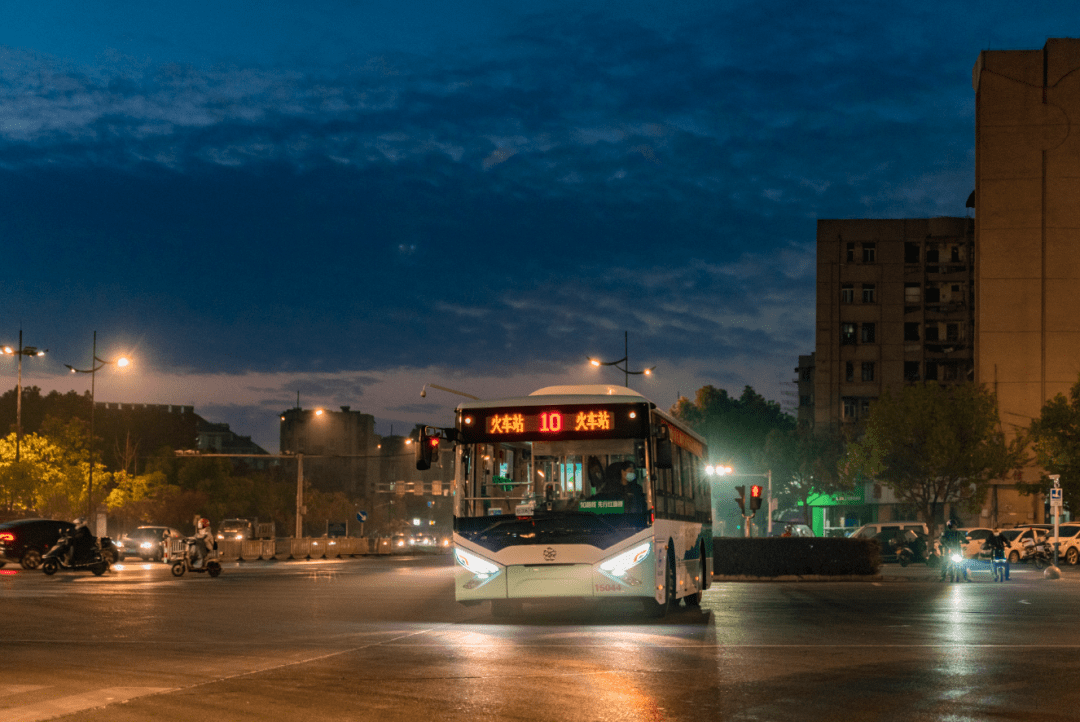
x,y
95,366
20,352
625,368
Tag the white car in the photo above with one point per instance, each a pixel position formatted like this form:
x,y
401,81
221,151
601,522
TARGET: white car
x,y
974,538
1069,538
1017,538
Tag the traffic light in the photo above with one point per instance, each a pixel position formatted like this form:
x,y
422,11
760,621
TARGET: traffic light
x,y
427,448
741,498
755,497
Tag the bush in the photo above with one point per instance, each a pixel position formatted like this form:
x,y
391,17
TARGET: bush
x,y
795,556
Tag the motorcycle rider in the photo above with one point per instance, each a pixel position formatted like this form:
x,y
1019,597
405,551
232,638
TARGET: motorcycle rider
x,y
204,542
952,542
80,542
996,544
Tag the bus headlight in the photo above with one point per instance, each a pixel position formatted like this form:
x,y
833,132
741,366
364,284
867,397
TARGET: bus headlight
x,y
617,566
482,568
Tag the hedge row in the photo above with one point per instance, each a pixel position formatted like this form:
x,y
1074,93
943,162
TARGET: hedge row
x,y
795,556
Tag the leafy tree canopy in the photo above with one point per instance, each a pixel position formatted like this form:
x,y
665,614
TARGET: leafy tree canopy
x,y
735,429
1055,439
933,445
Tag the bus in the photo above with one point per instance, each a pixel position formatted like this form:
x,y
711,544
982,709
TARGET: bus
x,y
587,492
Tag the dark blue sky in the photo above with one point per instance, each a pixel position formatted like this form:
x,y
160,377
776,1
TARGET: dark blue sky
x,y
348,201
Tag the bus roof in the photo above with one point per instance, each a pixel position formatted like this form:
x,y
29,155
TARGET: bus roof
x,y
585,394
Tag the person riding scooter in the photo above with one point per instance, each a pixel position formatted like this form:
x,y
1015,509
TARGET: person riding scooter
x,y
204,542
80,543
996,544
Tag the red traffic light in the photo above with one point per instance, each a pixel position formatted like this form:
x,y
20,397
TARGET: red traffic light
x,y
755,497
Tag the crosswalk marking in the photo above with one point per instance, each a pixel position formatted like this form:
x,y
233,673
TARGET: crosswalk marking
x,y
57,706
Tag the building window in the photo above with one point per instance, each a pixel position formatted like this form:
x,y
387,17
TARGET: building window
x,y
911,252
850,410
955,255
911,331
808,374
931,255
847,293
911,371
850,253
847,334
869,293
931,371
952,332
933,294
869,253
912,293
868,371
868,333
849,371
931,332
864,407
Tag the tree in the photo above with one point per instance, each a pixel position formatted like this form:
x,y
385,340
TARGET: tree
x,y
1055,439
933,445
804,463
734,428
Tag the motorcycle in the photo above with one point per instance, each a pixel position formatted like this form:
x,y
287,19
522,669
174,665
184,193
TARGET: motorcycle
x,y
56,559
1039,553
911,547
954,566
186,563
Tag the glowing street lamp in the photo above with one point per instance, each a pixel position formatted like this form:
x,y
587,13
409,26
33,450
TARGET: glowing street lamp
x,y
97,365
20,352
625,368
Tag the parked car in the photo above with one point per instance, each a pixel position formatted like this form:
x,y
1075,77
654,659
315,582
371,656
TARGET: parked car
x,y
235,530
1068,537
1020,538
25,540
974,538
874,528
146,542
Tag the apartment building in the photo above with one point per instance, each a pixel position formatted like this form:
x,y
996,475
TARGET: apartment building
x,y
895,305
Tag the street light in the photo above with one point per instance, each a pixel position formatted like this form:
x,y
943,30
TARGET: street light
x,y
20,352
97,365
625,368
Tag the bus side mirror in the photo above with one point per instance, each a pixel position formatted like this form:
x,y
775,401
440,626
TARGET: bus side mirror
x,y
663,448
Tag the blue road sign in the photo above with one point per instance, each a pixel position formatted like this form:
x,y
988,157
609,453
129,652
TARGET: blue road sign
x,y
1055,495
361,516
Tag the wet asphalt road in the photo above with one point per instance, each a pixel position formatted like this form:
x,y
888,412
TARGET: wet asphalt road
x,y
382,639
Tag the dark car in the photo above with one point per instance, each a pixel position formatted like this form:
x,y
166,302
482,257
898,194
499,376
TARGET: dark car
x,y
146,542
25,540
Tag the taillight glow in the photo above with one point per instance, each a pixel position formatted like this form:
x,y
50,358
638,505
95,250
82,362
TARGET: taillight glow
x,y
6,536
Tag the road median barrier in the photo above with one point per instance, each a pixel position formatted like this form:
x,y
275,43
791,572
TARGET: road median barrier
x,y
786,557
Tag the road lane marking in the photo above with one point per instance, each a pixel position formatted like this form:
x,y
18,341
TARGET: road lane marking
x,y
50,708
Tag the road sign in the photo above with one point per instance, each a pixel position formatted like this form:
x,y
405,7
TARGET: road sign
x,y
1055,498
361,516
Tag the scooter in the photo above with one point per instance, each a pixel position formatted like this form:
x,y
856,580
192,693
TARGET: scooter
x,y
187,562
56,559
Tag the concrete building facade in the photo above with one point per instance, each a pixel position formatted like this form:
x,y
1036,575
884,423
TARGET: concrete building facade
x,y
895,305
1027,211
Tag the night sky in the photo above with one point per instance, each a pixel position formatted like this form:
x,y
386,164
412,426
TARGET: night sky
x,y
349,200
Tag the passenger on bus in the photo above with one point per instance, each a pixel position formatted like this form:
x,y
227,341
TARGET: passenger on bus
x,y
623,485
596,474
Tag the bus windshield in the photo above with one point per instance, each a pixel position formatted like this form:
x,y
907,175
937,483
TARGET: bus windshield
x,y
538,478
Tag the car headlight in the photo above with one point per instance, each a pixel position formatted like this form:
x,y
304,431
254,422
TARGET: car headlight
x,y
482,568
146,545
618,565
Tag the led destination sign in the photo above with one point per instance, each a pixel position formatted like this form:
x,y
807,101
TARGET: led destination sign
x,y
563,422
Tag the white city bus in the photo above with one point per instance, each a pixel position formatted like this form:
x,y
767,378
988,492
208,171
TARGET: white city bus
x,y
579,492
